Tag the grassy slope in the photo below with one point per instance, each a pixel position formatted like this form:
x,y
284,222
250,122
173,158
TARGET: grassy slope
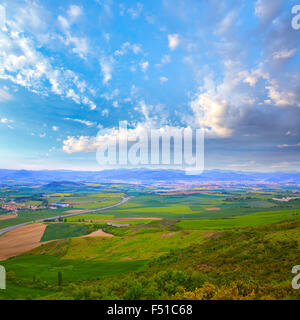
x,y
251,263
56,231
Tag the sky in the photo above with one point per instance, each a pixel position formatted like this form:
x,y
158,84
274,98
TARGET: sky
x,y
71,68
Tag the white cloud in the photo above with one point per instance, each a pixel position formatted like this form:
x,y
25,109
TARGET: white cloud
x,y
251,77
289,145
74,11
227,22
110,95
4,95
173,41
6,122
63,22
165,59
106,65
23,64
284,98
222,107
135,12
105,112
267,10
89,102
163,79
210,111
71,94
144,66
55,128
284,54
85,122
79,45
135,48
87,144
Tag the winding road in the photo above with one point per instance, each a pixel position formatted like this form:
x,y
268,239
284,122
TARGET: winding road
x,y
125,199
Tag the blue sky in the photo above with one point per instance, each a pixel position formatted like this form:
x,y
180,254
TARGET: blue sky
x,y
70,68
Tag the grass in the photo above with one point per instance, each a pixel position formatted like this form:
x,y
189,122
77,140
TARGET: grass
x,y
251,263
254,219
89,216
194,206
142,244
46,267
14,292
97,204
63,230
175,209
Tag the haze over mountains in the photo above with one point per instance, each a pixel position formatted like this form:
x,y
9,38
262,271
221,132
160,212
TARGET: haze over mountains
x,y
147,176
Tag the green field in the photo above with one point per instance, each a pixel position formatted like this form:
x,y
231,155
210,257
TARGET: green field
x,y
244,250
63,230
140,244
89,216
194,206
254,219
46,267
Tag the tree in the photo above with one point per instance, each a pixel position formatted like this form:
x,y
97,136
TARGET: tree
x,y
59,278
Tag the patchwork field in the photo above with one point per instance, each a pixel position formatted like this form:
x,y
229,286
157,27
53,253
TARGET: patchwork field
x,y
163,246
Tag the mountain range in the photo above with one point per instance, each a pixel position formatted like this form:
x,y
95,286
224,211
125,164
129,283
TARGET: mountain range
x,y
147,176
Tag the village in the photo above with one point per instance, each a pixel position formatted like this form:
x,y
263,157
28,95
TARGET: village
x,y
12,206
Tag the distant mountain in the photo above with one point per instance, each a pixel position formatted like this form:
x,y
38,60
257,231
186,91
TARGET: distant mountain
x,y
144,176
58,184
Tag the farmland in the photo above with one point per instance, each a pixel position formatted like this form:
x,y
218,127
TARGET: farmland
x,y
169,246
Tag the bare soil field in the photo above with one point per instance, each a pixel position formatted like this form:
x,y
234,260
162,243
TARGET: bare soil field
x,y
212,209
76,211
7,216
21,240
98,233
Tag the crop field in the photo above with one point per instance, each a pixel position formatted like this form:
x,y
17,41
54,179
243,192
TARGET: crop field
x,y
195,206
89,216
171,241
56,231
254,219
